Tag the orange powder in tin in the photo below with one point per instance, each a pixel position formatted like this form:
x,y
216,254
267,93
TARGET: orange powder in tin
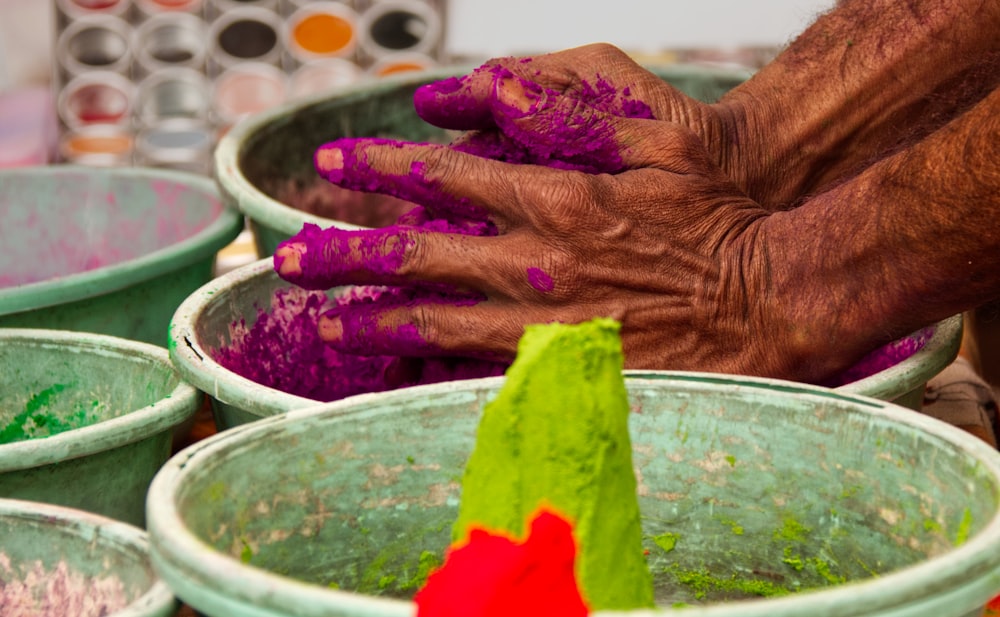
x,y
323,33
400,67
103,144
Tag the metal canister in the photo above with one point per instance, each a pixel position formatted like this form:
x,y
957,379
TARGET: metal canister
x,y
170,40
96,97
94,42
175,92
397,26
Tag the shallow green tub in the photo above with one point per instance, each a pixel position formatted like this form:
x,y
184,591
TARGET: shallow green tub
x,y
87,420
785,500
112,251
57,561
202,324
264,165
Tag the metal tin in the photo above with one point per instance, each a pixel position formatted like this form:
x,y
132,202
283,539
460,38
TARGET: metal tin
x,y
170,40
322,76
175,92
95,42
148,8
69,10
217,8
176,144
247,89
246,34
99,145
97,97
396,26
393,64
321,30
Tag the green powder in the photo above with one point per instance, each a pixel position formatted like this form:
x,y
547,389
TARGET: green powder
x,y
557,436
42,417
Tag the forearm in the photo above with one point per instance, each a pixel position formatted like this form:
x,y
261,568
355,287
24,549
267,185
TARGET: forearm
x,y
911,240
852,86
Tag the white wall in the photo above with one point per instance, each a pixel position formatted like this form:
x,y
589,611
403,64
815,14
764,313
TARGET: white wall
x,y
501,27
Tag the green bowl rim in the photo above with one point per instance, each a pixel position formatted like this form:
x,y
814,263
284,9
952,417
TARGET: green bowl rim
x,y
174,547
173,409
106,279
262,209
195,364
114,534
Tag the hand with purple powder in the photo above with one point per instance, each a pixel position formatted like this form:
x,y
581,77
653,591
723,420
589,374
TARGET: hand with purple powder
x,y
618,198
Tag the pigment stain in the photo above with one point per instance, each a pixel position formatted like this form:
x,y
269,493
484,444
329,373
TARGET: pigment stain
x,y
45,415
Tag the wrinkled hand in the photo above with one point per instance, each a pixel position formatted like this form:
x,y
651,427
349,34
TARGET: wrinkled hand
x,y
605,78
667,247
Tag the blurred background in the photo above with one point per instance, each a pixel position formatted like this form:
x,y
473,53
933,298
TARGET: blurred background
x,y
157,82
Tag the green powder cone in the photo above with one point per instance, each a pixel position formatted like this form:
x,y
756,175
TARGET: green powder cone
x,y
557,436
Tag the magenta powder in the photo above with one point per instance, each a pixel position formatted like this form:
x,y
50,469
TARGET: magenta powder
x,y
283,350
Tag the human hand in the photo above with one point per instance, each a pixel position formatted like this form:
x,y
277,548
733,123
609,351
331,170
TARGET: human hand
x,y
667,247
602,77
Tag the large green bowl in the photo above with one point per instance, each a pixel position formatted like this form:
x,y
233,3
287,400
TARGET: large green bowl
x,y
67,562
110,251
86,420
851,506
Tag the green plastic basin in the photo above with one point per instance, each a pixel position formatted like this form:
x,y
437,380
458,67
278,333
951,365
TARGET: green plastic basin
x,y
62,562
264,165
785,500
86,420
111,251
202,324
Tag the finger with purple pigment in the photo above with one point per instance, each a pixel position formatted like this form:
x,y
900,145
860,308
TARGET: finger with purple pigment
x,y
459,103
347,163
449,328
557,131
318,258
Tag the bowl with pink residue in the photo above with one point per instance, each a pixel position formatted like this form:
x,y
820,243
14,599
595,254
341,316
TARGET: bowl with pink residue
x,y
248,340
59,562
111,251
264,165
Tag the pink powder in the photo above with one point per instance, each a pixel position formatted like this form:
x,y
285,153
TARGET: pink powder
x,y
35,591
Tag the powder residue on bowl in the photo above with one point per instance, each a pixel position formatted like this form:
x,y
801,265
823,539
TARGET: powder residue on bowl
x,y
282,349
35,591
41,418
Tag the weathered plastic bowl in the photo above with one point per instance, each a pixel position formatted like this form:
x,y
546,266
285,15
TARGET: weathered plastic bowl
x,y
111,251
116,403
62,561
264,165
861,507
202,324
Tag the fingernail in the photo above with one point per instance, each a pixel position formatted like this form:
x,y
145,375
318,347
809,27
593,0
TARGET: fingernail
x,y
331,328
288,258
329,162
520,98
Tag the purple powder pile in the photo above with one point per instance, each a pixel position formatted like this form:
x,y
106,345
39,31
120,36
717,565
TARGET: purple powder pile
x,y
884,357
283,348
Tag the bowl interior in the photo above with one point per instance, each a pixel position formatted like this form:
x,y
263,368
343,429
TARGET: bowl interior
x,y
53,386
745,490
55,561
64,221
